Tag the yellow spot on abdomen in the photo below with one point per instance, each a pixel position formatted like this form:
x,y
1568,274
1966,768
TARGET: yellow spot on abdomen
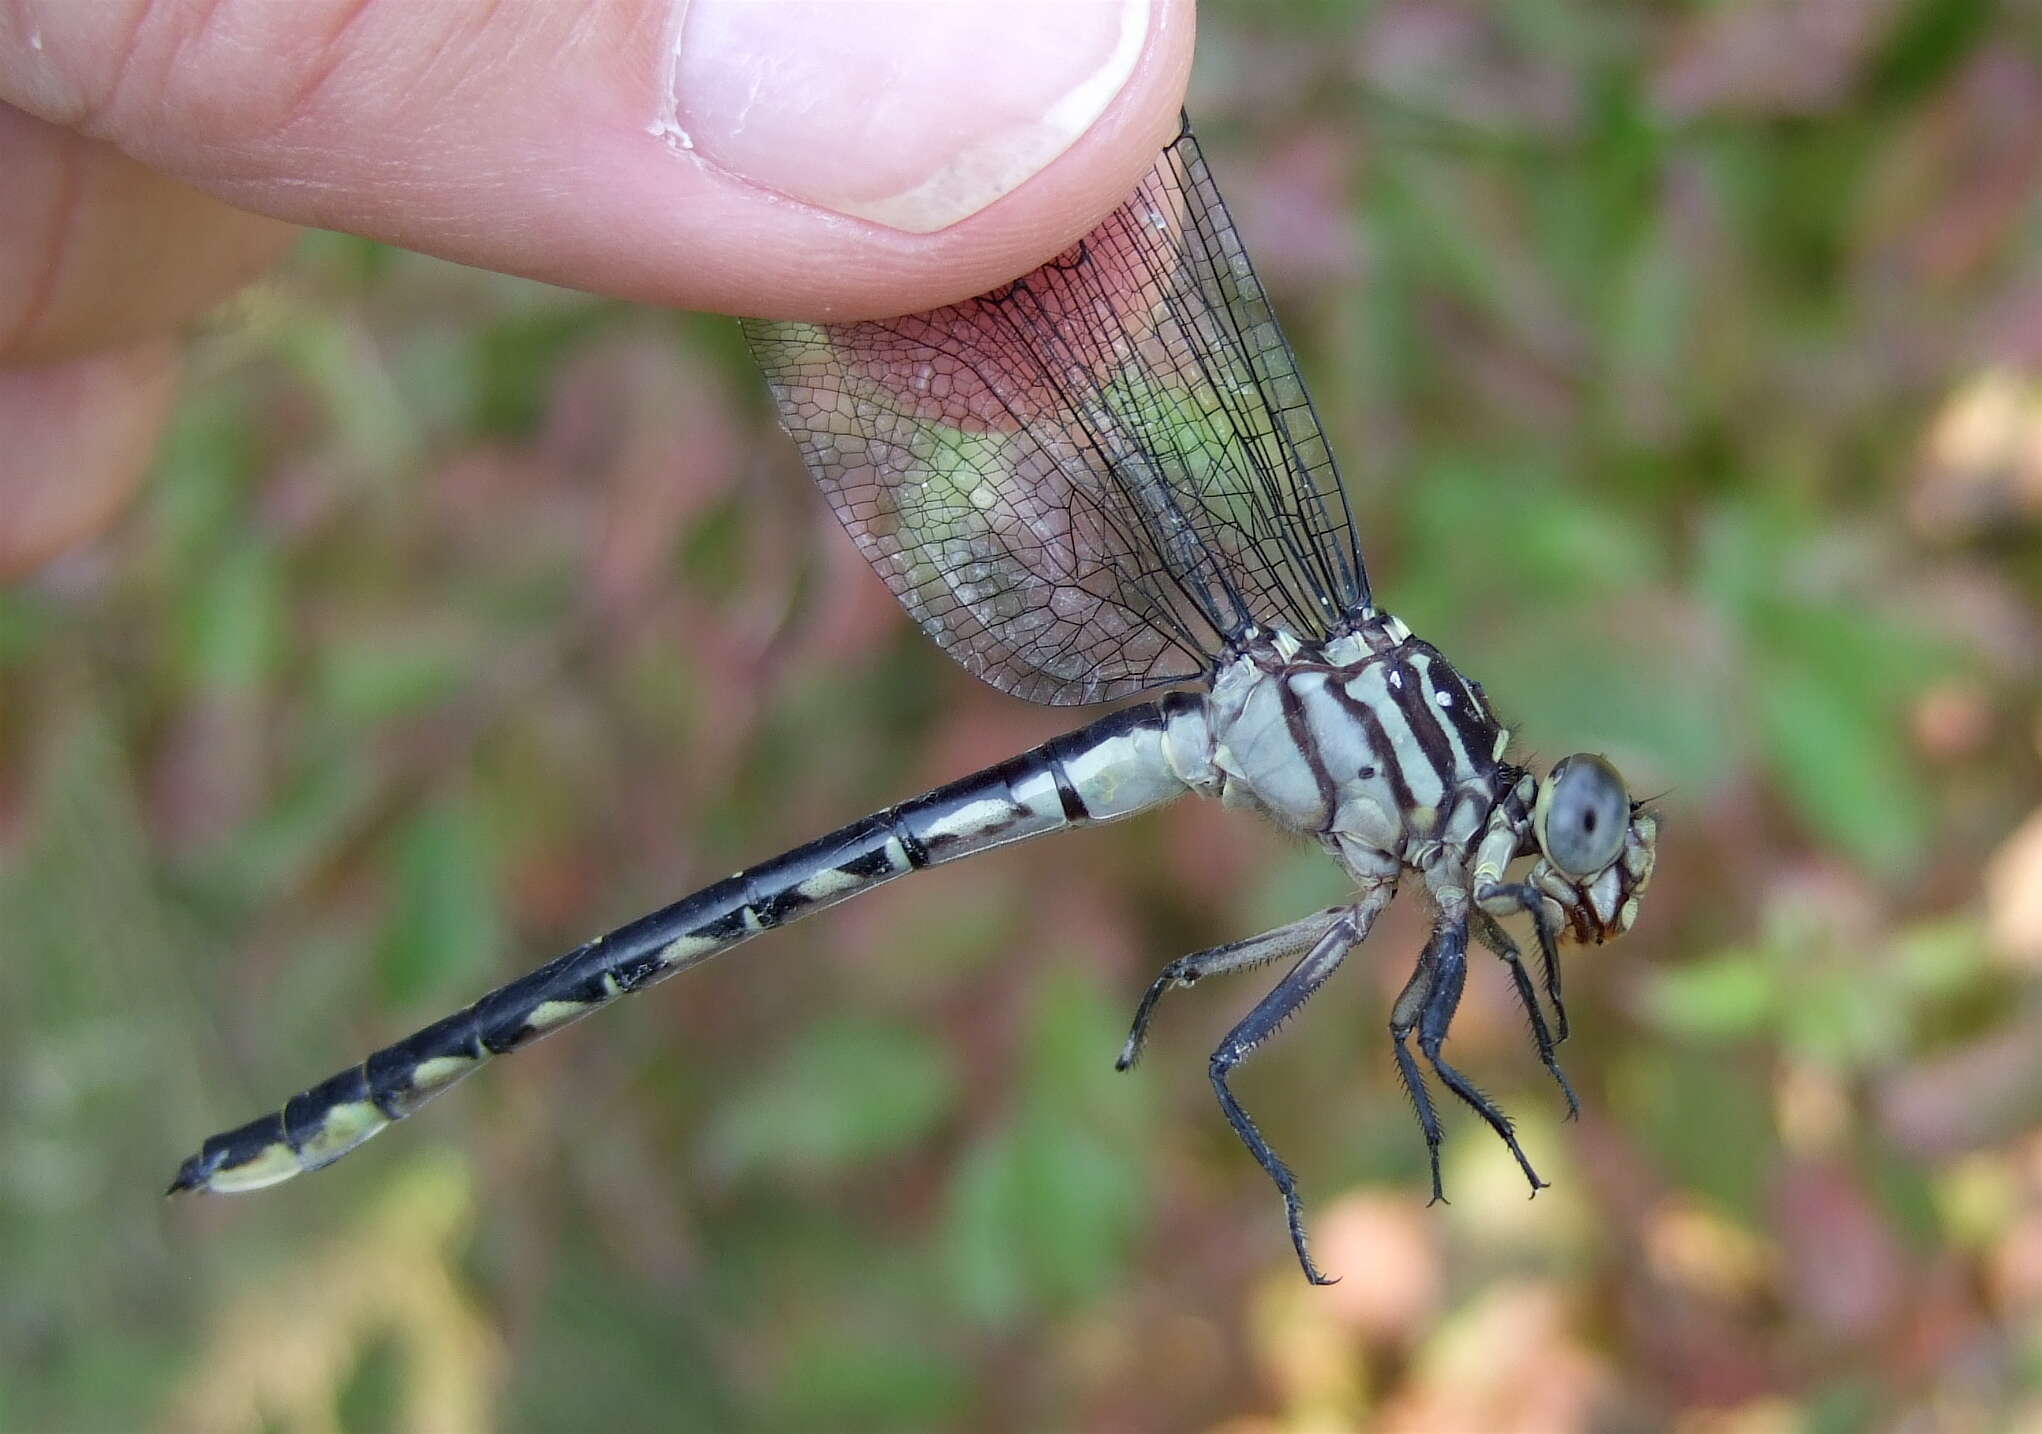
x,y
440,1072
548,1014
276,1163
345,1127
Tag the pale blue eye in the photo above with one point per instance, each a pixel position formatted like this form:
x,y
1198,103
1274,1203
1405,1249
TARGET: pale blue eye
x,y
1585,812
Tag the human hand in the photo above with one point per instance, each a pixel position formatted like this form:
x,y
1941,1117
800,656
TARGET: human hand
x,y
783,158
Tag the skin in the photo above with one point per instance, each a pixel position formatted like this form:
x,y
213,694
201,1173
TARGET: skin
x,y
842,159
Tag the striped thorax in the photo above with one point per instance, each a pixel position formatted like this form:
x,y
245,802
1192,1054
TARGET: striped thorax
x,y
1372,742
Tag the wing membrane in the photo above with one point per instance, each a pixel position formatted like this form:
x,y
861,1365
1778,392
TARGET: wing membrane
x,y
1091,481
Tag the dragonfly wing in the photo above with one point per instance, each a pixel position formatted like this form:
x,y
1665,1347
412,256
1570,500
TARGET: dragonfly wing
x,y
1093,480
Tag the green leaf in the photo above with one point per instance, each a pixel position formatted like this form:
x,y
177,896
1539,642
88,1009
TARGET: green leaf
x,y
234,618
1041,1216
372,1394
1844,768
847,1092
981,1246
374,422
1942,958
386,674
1488,528
853,1376
1929,40
1075,1026
445,928
1708,1122
1082,1194
312,814
27,624
1845,1405
1727,997
1838,1019
1043,1212
195,506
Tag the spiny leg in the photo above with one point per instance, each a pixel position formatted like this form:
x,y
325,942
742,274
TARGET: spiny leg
x,y
1218,961
1498,940
1297,987
1449,951
1411,1002
1528,899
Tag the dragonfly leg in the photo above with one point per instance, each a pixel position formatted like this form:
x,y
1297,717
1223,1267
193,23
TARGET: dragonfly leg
x,y
1411,1002
1278,1006
1500,900
1241,955
1493,936
1449,952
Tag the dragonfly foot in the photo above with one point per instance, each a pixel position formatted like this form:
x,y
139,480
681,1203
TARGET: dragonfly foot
x,y
1290,994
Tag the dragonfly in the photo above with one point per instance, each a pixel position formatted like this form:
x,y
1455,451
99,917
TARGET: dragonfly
x,y
1104,481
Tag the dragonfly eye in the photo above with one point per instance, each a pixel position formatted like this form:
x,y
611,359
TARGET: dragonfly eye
x,y
1581,814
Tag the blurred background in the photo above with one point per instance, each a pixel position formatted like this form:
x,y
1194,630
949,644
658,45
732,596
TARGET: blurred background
x,y
1686,364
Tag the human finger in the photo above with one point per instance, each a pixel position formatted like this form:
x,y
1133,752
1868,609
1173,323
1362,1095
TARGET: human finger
x,y
795,158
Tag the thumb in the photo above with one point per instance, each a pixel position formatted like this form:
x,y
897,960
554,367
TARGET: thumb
x,y
785,158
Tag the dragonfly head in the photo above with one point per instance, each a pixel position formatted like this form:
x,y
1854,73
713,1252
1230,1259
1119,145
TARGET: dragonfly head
x,y
1596,844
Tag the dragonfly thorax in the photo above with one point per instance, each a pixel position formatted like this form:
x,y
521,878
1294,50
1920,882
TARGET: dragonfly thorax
x,y
1371,742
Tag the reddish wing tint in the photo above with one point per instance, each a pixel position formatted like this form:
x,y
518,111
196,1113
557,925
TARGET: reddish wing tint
x,y
1092,480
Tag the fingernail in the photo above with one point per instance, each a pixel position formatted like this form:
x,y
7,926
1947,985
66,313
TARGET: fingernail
x,y
909,113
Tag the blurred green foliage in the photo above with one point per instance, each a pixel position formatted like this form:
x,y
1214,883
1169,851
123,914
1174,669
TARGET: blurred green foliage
x,y
1682,358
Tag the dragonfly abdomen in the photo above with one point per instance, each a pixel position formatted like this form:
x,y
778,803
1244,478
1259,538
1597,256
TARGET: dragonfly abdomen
x,y
1133,759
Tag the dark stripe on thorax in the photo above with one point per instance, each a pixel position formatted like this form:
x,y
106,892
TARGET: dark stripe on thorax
x,y
1390,765
1421,716
1307,747
1466,711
